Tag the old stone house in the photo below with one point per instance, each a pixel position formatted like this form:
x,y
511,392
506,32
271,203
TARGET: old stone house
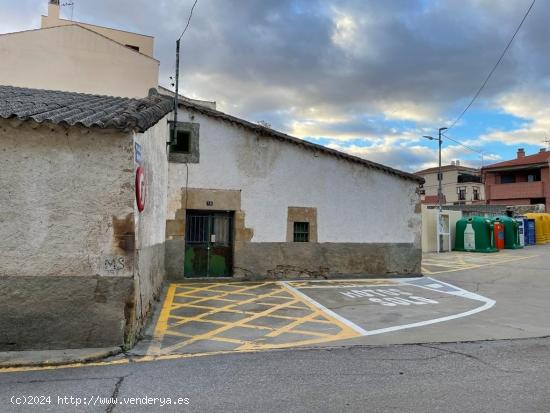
x,y
247,201
79,264
83,255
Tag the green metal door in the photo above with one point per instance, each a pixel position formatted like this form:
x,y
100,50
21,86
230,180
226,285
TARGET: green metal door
x,y
208,244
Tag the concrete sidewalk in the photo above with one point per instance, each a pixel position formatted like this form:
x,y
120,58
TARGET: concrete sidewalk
x,y
55,357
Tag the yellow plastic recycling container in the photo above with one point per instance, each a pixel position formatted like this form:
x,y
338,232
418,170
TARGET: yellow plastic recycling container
x,y
541,226
546,226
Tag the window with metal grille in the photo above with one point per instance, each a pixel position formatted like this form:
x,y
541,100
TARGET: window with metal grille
x,y
301,232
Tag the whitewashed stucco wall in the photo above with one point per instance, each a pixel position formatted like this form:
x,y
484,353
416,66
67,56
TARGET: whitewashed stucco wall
x,y
355,204
151,222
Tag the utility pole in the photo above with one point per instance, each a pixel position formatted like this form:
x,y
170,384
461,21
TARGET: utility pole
x,y
173,135
439,187
439,172
176,94
440,176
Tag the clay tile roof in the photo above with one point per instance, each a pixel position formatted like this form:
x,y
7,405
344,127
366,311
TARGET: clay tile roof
x,y
82,109
541,157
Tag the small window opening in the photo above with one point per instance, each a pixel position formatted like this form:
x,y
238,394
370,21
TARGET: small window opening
x,y
182,141
301,232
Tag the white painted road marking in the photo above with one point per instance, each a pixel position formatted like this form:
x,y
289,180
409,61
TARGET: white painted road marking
x,y
421,282
350,324
388,297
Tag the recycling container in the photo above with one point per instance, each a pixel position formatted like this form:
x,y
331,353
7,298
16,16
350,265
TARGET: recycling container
x,y
498,228
540,234
546,227
521,229
530,236
511,232
474,234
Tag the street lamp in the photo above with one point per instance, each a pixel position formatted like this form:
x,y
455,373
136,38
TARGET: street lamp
x,y
439,188
439,173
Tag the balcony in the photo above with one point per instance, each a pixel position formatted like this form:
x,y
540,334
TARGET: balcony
x,y
519,190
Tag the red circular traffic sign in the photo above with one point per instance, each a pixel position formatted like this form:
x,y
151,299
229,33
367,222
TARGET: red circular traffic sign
x,y
140,188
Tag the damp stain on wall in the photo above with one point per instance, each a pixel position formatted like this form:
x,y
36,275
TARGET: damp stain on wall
x,y
124,237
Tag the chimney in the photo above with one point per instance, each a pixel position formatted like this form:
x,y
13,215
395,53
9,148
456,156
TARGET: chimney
x,y
457,162
521,153
53,9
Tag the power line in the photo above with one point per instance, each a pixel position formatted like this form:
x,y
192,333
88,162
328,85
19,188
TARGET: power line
x,y
452,183
176,92
461,144
495,66
188,20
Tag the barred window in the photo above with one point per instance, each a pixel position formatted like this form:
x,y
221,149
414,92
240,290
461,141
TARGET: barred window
x,y
301,232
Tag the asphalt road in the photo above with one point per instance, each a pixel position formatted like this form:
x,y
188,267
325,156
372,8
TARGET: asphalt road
x,y
521,289
500,376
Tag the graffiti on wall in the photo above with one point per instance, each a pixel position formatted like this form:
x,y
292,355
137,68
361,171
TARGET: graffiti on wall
x,y
113,265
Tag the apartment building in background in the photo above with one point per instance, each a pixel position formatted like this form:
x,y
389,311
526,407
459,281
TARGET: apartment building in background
x,y
460,184
521,181
73,56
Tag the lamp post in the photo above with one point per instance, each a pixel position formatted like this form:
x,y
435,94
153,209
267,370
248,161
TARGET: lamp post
x,y
439,173
439,185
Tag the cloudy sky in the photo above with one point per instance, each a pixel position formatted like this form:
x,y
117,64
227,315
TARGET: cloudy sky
x,y
369,77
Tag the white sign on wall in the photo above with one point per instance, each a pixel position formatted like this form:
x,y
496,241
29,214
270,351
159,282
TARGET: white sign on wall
x,y
137,151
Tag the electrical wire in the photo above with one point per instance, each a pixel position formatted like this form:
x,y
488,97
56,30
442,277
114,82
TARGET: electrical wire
x,y
452,183
494,67
189,19
461,144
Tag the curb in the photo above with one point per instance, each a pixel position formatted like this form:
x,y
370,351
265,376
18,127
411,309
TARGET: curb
x,y
44,358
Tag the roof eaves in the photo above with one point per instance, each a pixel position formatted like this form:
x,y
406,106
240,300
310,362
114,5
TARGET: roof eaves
x,y
108,28
283,136
85,28
86,110
525,162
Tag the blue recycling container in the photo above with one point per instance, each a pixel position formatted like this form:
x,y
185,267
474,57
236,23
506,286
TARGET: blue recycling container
x,y
529,230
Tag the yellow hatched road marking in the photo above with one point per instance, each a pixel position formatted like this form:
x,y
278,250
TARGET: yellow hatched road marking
x,y
468,262
294,332
214,332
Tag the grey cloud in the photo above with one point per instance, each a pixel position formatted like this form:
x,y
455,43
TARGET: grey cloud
x,y
431,53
